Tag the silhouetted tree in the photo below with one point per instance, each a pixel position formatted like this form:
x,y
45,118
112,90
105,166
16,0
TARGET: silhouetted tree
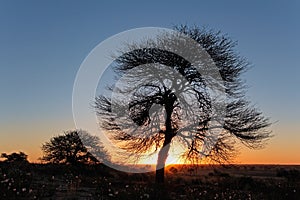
x,y
155,86
15,157
73,147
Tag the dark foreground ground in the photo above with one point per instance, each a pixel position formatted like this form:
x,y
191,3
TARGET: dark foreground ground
x,y
36,181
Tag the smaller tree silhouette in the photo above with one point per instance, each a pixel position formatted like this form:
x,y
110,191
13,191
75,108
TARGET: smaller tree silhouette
x,y
15,157
70,148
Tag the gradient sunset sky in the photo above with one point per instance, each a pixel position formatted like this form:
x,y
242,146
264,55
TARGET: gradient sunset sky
x,y
43,43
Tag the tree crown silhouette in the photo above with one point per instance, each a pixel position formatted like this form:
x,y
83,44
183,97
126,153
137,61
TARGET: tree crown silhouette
x,y
15,157
167,101
73,147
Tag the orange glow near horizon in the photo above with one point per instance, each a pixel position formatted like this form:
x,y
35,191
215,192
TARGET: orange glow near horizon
x,y
281,149
152,160
269,155
245,157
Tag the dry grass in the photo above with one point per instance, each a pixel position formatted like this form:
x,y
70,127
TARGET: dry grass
x,y
29,181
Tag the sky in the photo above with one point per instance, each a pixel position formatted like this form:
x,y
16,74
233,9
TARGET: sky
x,y
42,45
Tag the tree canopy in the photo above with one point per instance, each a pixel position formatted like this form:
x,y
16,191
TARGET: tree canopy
x,y
164,100
73,147
15,157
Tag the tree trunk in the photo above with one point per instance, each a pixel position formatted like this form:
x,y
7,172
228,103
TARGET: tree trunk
x,y
163,153
161,160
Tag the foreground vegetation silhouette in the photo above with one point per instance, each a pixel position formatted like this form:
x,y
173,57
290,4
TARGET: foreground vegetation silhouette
x,y
98,182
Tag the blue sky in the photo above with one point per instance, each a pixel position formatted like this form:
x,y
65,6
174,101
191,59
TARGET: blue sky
x,y
42,45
